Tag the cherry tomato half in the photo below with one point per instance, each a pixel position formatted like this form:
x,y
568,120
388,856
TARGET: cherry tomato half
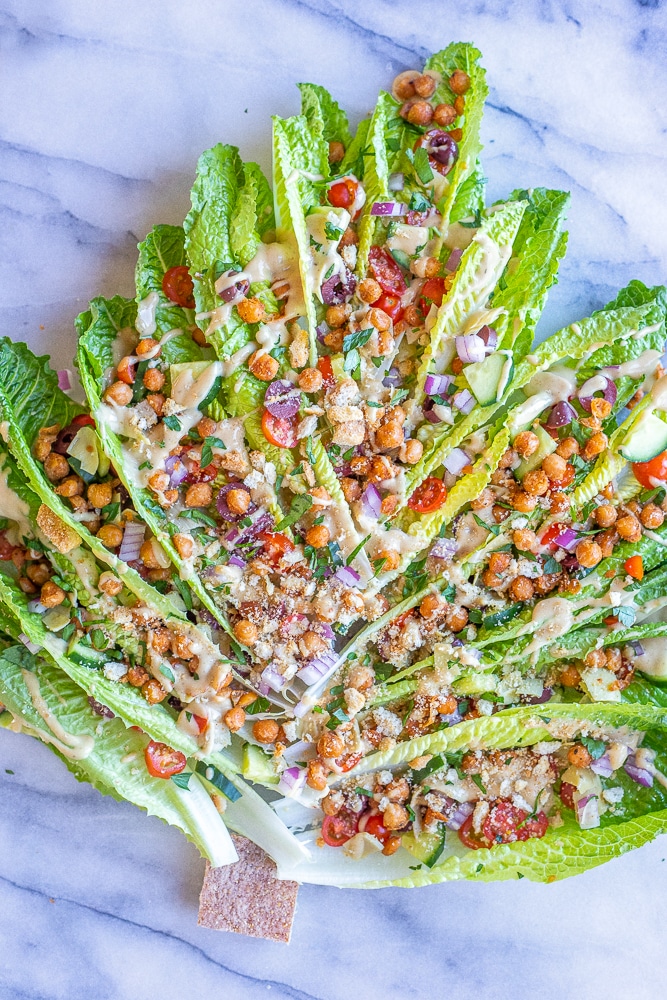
x,y
200,722
386,271
275,544
634,567
178,286
650,474
567,794
433,292
506,823
127,370
469,838
377,829
198,475
343,193
162,761
429,496
552,533
83,420
279,431
6,548
337,830
391,305
560,484
325,368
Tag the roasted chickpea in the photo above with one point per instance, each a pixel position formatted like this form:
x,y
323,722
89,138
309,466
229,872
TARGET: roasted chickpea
x,y
318,536
500,514
524,539
70,486
246,632
595,445
183,545
379,319
651,516
456,618
312,644
199,495
568,447
499,561
238,501
153,379
420,113
536,483
27,586
109,584
156,402
180,645
607,540
526,443
337,316
579,756
588,553
523,502
100,494
160,639
251,310
369,290
153,692
392,560
334,340
430,606
330,745
310,380
459,104
424,85
459,82
110,535
263,366
629,528
137,676
317,775
413,317
234,718
411,451
265,730
206,427
389,503
119,393
149,556
56,467
159,481
614,659
507,459
570,676
555,467
444,115
605,515
51,595
388,436
521,588
391,845
351,488
38,572
395,816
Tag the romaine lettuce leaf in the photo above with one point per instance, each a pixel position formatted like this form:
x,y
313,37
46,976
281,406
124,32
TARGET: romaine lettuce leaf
x,y
375,178
317,103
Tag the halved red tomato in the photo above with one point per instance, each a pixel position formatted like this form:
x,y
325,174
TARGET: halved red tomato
x,y
83,420
275,544
200,722
552,533
428,496
198,475
391,305
469,838
651,473
634,567
325,368
506,823
567,794
178,286
127,370
279,431
337,830
377,829
343,193
386,271
162,761
432,292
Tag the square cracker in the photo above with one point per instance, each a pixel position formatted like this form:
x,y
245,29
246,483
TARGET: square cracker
x,y
246,897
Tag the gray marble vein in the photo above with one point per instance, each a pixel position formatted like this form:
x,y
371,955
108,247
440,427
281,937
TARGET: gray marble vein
x,y
105,108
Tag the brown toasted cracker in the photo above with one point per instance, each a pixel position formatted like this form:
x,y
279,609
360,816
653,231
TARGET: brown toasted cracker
x,y
61,536
246,897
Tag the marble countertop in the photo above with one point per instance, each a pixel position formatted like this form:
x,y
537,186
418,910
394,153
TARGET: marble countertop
x,y
105,108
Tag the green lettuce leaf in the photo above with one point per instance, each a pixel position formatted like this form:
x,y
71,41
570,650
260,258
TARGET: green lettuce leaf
x,y
317,105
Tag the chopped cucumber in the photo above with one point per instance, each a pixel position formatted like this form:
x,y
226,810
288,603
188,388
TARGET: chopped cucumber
x,y
258,766
545,447
647,439
489,378
427,847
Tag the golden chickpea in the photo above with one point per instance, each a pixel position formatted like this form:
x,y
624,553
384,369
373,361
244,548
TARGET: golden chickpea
x,y
397,790
524,539
413,317
27,586
146,345
388,436
148,555
159,481
412,451
318,536
246,632
588,553
70,486
247,698
110,535
600,408
491,580
521,588
507,459
351,488
605,515
360,465
595,445
499,561
238,501
265,730
395,816
419,113
51,595
500,514
456,618
156,402
526,443
336,151
109,584
153,379
234,718
579,756
334,340
430,606
119,393
330,745
251,310
337,316
199,495
392,560
570,676
317,775
568,447
312,644
56,467
330,805
160,640
614,659
41,449
523,502
38,572
153,692
485,499
369,290
310,380
651,516
389,503
386,343
607,540
459,82
536,483
183,545
459,105
137,676
391,845
180,645
444,115
559,503
100,494
629,528
379,319
206,427
263,366
555,467
424,85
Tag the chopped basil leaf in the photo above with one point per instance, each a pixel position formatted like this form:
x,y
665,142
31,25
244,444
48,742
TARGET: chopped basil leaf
x,y
493,528
357,339
332,232
167,672
260,705
172,422
207,449
110,511
182,779
298,507
329,272
596,748
422,165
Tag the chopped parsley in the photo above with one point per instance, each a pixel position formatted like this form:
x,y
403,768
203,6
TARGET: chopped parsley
x,y
172,422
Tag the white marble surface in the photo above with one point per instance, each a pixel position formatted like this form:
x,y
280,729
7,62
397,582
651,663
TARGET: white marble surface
x,y
104,109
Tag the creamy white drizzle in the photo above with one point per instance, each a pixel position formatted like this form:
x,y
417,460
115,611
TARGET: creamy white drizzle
x,y
70,745
12,506
145,323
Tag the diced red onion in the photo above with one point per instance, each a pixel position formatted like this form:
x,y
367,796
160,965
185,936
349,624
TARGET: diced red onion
x,y
444,548
282,399
453,260
221,502
388,208
36,607
292,780
396,182
568,539
100,709
431,415
637,647
639,774
587,391
602,766
456,461
133,536
65,379
459,816
176,470
470,348
271,678
32,647
562,414
588,814
490,338
392,379
371,501
338,288
325,631
237,561
316,668
321,331
437,385
464,401
347,576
